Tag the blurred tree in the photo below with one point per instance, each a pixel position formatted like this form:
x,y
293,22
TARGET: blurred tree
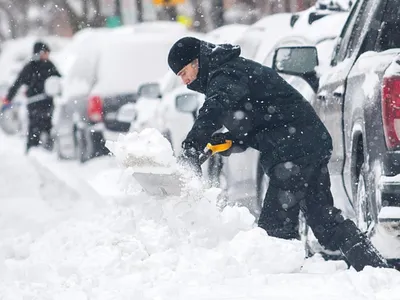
x,y
199,23
6,15
139,7
82,13
217,13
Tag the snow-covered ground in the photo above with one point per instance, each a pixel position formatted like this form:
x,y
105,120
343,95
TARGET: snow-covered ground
x,y
87,232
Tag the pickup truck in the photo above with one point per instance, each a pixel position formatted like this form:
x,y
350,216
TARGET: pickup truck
x,y
358,99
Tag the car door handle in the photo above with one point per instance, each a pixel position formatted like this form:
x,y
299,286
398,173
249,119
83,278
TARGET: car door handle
x,y
338,93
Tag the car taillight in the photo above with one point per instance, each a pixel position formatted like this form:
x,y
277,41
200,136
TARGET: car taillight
x,y
95,109
391,111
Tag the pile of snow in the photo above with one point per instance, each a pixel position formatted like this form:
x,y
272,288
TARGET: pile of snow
x,y
138,150
146,249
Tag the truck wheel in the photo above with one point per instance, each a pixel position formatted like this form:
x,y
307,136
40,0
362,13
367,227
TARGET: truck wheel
x,y
81,147
362,204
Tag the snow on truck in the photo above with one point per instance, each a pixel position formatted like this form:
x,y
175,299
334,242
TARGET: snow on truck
x,y
358,99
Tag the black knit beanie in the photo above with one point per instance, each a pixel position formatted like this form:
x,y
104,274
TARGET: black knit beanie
x,y
39,47
183,52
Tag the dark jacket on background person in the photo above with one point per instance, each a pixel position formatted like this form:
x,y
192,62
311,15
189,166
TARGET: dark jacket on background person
x,y
34,75
258,107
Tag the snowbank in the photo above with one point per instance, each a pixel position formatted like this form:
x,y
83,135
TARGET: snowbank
x,y
146,249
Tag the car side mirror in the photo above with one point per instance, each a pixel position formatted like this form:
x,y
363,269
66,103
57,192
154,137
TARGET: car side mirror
x,y
297,61
52,86
150,90
187,103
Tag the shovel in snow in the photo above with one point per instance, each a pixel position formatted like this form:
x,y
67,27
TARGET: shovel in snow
x,y
158,183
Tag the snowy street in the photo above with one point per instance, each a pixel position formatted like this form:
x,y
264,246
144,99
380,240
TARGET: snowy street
x,y
199,150
86,232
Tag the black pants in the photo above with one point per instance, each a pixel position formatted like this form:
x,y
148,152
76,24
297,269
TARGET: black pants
x,y
294,187
306,186
39,122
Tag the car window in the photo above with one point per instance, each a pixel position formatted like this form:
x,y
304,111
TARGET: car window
x,y
389,36
360,25
340,50
374,29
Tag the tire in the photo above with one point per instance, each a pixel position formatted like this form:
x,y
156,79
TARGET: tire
x,y
366,217
59,151
81,145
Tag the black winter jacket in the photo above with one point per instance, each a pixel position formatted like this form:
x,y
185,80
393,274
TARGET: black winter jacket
x,y
258,107
34,75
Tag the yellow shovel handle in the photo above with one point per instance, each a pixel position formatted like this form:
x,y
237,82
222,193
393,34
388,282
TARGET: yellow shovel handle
x,y
220,147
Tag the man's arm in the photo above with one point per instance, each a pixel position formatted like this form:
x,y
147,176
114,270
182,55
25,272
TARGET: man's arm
x,y
21,79
206,123
224,91
53,70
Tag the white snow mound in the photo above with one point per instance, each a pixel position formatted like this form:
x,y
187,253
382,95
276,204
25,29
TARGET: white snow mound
x,y
138,150
142,248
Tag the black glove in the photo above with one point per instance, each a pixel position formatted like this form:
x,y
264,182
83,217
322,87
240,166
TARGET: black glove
x,y
220,138
190,158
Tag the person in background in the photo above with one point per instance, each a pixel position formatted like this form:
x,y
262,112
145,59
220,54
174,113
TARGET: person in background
x,y
39,105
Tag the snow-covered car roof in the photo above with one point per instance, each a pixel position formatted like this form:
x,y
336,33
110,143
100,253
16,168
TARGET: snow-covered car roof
x,y
126,62
321,33
327,27
264,29
83,40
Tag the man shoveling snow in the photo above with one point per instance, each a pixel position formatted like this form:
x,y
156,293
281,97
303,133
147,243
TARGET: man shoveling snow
x,y
262,111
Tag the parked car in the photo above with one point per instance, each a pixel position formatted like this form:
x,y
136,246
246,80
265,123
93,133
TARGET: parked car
x,y
358,100
101,86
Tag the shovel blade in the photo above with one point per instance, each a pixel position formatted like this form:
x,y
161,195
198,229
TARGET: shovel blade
x,y
160,184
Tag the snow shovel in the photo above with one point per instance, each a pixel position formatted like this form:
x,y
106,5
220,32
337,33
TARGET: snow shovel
x,y
170,184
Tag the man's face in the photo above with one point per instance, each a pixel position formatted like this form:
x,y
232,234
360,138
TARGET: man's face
x,y
189,73
44,55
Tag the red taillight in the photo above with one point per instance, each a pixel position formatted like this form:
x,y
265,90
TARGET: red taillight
x,y
95,109
391,111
